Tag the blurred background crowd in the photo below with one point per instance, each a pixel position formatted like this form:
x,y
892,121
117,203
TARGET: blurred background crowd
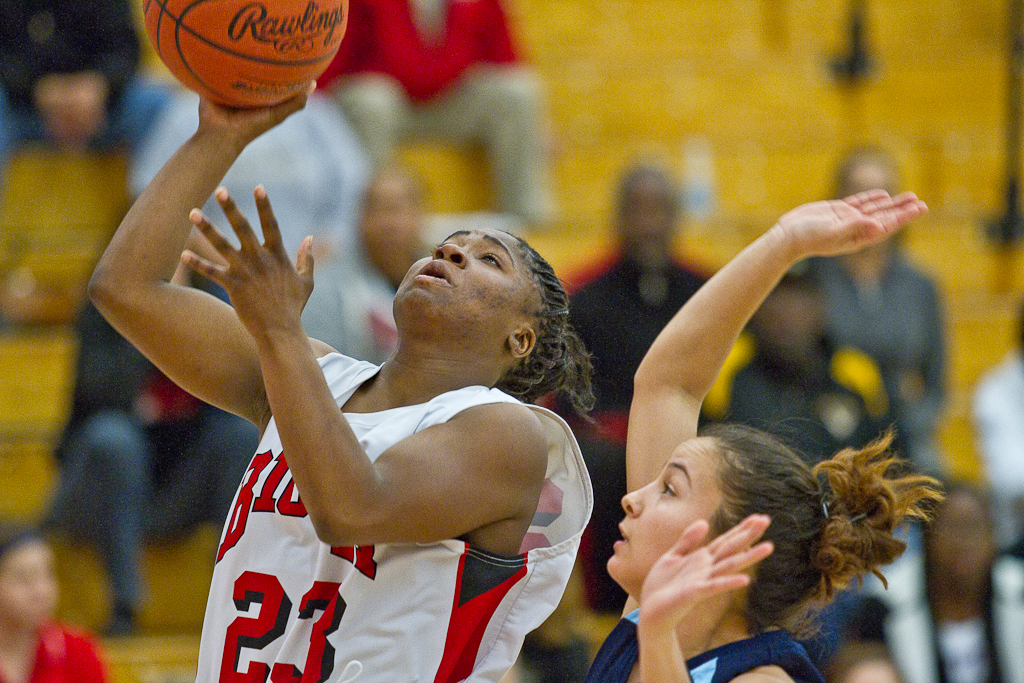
x,y
638,145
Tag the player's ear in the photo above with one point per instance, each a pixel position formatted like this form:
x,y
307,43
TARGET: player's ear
x,y
522,340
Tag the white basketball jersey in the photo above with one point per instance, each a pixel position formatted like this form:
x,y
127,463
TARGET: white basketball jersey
x,y
285,607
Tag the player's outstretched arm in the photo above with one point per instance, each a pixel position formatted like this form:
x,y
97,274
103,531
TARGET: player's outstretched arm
x,y
193,338
684,360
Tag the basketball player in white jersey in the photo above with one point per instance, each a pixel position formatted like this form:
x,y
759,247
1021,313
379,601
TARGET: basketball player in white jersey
x,y
404,522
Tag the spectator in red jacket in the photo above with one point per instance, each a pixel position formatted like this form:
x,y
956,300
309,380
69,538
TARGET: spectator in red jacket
x,y
444,70
33,647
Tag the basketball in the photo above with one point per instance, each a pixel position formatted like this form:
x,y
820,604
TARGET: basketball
x,y
246,53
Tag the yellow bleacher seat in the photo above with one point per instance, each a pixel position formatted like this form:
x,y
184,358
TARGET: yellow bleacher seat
x,y
161,658
455,179
177,576
36,380
48,189
57,212
36,376
27,469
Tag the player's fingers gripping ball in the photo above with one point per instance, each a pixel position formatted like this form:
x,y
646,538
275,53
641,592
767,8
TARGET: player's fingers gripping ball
x,y
246,53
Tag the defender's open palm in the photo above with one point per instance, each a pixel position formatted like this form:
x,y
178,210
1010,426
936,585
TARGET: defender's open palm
x,y
690,573
832,227
267,291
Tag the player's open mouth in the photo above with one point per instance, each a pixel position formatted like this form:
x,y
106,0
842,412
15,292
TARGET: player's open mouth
x,y
435,270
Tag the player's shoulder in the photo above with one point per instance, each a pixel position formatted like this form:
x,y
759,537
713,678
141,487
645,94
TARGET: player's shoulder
x,y
513,428
502,415
321,349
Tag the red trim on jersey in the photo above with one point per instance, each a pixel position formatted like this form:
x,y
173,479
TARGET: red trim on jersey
x,y
469,620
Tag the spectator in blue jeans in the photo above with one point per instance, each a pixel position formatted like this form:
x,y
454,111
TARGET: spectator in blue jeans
x,y
69,76
140,460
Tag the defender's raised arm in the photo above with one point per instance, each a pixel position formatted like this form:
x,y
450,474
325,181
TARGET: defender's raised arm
x,y
682,364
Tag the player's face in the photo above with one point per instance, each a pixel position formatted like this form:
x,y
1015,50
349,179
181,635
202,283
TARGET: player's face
x,y
657,514
477,277
28,586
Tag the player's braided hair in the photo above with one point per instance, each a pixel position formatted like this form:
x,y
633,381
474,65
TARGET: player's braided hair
x,y
559,362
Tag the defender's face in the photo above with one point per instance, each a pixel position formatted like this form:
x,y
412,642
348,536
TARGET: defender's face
x,y
657,514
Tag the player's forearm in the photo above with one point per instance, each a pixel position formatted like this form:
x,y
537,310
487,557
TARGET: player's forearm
x,y
332,473
147,246
688,354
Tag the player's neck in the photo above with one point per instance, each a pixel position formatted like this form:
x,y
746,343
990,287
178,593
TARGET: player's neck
x,y
697,638
410,379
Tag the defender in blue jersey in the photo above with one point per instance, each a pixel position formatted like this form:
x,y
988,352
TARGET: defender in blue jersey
x,y
724,609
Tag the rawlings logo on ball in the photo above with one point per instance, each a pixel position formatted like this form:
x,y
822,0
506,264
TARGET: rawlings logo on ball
x,y
295,33
246,53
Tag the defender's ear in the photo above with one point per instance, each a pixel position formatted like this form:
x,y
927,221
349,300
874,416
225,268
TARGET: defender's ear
x,y
521,341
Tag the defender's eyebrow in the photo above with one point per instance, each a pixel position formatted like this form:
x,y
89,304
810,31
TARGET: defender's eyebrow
x,y
489,238
681,467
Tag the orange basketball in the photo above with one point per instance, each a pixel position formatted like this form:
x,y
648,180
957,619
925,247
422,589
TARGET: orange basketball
x,y
246,53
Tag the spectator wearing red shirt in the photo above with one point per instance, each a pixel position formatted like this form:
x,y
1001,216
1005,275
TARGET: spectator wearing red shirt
x,y
444,70
33,647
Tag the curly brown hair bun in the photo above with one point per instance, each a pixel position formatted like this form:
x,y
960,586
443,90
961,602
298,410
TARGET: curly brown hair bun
x,y
824,535
871,494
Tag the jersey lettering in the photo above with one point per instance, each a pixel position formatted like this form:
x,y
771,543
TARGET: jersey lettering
x,y
361,557
288,507
255,633
265,502
243,503
269,624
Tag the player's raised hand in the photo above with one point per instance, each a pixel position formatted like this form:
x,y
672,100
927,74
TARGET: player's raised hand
x,y
267,291
690,572
826,228
243,126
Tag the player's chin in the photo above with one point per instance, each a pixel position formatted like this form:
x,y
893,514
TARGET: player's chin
x,y
618,569
617,564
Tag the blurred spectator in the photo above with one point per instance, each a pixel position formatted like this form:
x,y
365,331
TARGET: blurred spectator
x,y
69,75
390,238
862,662
140,460
999,425
618,313
954,614
33,647
787,376
881,304
445,70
